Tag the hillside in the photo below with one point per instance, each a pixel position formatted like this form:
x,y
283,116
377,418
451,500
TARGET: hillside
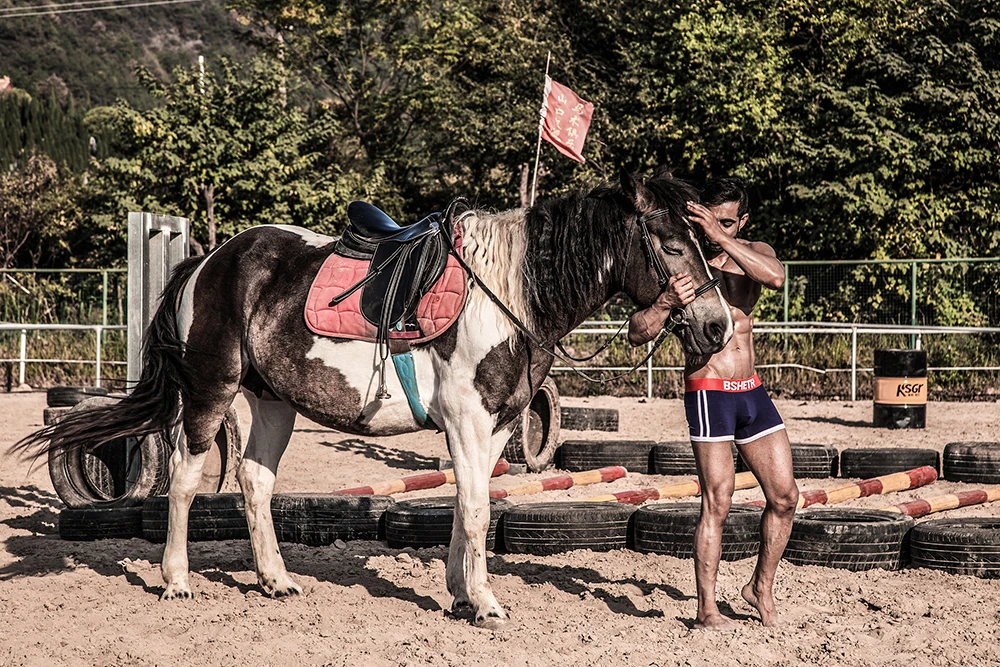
x,y
92,54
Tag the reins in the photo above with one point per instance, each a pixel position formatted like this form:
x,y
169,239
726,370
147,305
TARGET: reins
x,y
675,319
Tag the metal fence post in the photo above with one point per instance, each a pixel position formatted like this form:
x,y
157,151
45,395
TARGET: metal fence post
x,y
100,334
649,371
104,298
786,291
24,355
854,363
913,301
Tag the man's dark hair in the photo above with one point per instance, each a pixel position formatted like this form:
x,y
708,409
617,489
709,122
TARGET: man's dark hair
x,y
721,190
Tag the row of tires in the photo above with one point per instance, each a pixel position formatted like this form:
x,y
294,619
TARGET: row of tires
x,y
975,462
850,539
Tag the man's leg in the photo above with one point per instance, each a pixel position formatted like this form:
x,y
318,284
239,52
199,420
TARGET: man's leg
x,y
770,460
716,475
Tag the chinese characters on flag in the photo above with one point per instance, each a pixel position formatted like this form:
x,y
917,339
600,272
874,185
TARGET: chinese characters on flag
x,y
565,119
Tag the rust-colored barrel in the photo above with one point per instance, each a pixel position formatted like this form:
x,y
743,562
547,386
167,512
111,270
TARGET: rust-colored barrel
x,y
900,389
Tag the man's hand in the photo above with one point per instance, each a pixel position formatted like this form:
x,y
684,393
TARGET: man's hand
x,y
646,324
678,293
707,220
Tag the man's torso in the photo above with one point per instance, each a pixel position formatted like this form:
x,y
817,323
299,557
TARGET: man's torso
x,y
736,360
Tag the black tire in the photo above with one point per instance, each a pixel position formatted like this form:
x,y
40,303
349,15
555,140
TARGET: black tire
x,y
866,463
100,523
669,529
977,462
213,516
52,415
850,539
66,397
814,461
633,455
960,546
536,436
589,419
112,475
321,519
543,529
426,522
677,458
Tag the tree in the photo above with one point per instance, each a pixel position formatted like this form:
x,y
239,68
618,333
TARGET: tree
x,y
37,213
225,150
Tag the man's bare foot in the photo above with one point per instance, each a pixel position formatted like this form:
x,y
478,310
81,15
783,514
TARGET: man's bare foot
x,y
715,622
763,602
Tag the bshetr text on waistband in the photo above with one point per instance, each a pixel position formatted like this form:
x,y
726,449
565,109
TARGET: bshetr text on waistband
x,y
719,384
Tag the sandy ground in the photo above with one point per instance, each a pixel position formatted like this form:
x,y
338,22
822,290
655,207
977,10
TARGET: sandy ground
x,y
66,603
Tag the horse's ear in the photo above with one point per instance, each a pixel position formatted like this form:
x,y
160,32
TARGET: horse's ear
x,y
634,190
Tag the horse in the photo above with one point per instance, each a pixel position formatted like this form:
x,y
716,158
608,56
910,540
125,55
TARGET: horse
x,y
236,315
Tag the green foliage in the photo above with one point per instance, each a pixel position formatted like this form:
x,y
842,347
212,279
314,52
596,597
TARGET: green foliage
x,y
31,125
38,214
93,55
224,150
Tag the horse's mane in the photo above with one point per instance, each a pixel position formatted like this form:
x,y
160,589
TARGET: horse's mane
x,y
574,242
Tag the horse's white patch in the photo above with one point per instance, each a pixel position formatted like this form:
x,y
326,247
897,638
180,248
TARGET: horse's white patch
x,y
310,237
718,290
185,310
358,362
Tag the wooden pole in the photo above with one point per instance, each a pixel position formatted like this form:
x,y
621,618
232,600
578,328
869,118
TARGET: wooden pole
x,y
427,480
744,480
541,124
918,508
899,481
559,482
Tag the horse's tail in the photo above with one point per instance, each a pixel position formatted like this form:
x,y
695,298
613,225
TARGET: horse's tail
x,y
154,404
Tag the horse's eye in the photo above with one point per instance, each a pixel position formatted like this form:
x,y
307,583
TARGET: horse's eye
x,y
673,249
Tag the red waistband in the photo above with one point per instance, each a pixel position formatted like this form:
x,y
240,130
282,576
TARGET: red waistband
x,y
718,384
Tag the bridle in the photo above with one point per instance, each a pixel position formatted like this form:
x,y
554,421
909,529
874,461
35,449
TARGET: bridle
x,y
662,275
675,319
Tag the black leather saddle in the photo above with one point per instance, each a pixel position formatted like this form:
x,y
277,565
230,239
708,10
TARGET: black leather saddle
x,y
406,261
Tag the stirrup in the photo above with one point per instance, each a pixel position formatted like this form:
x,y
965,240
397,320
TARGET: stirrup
x,y
383,391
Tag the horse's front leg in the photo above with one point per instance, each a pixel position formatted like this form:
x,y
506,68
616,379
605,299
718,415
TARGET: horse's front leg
x,y
474,452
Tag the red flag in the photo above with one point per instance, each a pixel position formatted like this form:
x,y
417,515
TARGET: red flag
x,y
565,119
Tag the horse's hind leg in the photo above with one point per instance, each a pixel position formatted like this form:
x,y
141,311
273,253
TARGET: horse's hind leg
x,y
474,451
273,421
203,416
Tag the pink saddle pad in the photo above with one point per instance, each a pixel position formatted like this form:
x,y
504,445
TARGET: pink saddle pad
x,y
437,310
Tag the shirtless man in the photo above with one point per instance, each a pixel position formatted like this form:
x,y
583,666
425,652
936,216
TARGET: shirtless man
x,y
725,401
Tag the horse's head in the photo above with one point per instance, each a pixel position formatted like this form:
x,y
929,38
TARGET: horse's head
x,y
663,242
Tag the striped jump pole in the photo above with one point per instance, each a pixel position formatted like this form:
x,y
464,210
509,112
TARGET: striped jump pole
x,y
918,508
559,482
744,480
427,480
897,481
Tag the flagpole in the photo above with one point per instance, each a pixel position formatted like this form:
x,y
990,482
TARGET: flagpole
x,y
541,124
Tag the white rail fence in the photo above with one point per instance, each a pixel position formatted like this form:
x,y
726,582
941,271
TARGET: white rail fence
x,y
23,359
607,328
589,328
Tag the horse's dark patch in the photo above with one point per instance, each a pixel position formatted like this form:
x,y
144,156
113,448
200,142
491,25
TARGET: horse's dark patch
x,y
502,381
273,300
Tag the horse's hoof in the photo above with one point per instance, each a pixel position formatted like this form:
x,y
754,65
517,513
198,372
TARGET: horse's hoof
x,y
491,622
460,605
286,591
174,592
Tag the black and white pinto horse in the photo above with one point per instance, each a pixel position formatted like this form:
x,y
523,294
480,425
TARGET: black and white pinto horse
x,y
239,312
